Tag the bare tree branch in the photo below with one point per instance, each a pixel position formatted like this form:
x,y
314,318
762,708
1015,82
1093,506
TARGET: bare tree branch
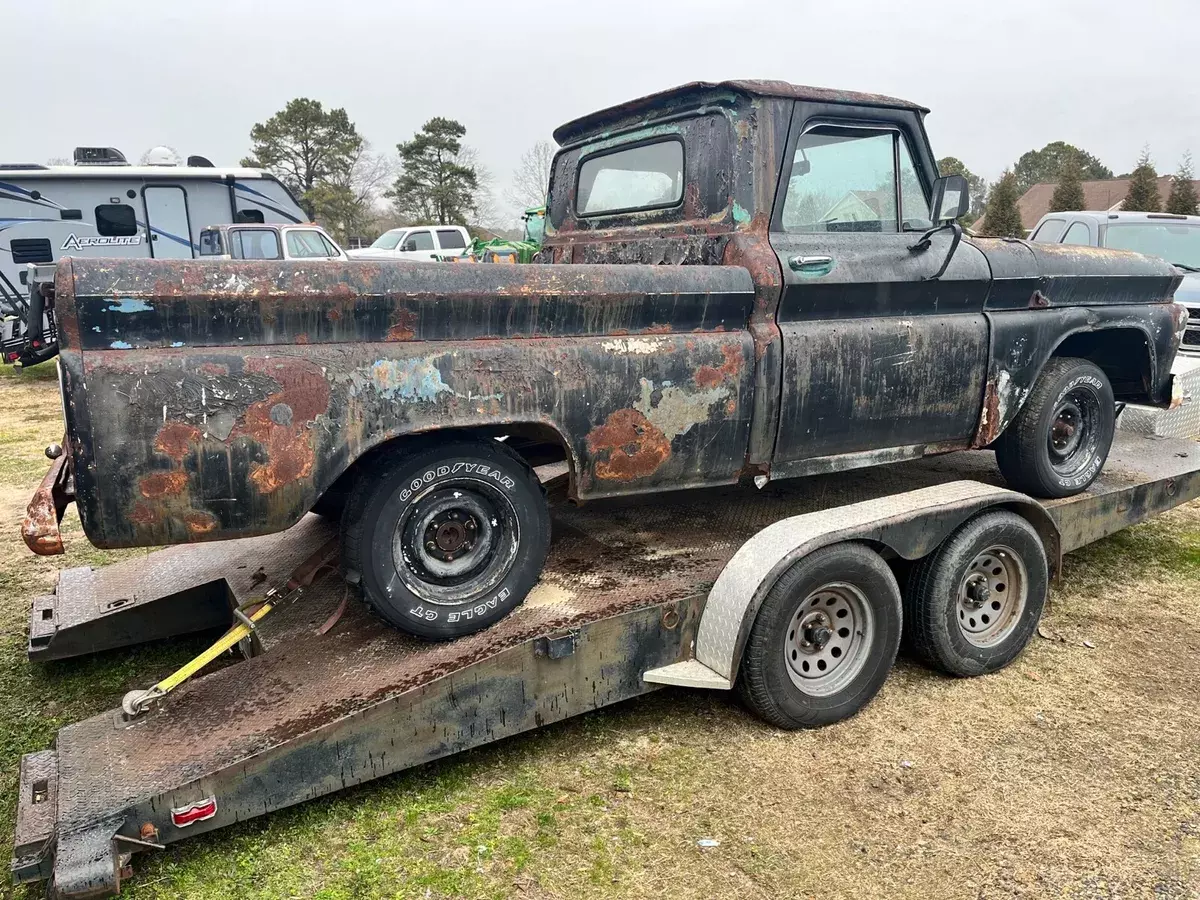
x,y
532,177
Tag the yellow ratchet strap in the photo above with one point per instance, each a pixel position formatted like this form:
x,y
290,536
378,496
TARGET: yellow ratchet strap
x,y
137,702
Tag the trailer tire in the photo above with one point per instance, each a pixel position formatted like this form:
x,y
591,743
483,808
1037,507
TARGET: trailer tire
x,y
1060,439
447,539
824,639
974,603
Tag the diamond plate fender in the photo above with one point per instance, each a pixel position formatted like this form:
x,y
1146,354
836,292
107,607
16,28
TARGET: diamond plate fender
x,y
911,524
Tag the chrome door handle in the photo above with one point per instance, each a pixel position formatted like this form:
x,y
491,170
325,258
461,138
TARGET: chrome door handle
x,y
811,265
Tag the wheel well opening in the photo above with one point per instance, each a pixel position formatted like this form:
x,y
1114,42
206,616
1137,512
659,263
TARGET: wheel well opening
x,y
538,444
1123,354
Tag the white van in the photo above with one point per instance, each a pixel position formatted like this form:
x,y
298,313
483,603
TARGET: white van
x,y
418,243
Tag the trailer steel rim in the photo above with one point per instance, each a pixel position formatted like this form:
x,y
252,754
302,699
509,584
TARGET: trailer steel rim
x,y
828,639
992,596
456,541
1074,432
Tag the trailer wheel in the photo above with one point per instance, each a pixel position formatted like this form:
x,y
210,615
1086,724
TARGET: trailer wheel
x,y
974,603
824,639
1060,439
448,539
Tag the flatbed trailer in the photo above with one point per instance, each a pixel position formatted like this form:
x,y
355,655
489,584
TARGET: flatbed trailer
x,y
634,596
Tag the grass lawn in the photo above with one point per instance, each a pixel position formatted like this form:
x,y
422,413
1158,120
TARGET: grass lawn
x,y
1073,773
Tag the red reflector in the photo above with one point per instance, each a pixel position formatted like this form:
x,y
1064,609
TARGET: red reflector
x,y
195,812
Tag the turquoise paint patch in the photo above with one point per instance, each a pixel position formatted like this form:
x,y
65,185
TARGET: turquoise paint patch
x,y
740,215
121,345
177,343
129,305
408,379
96,328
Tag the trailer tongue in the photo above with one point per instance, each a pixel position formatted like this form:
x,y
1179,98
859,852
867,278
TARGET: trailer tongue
x,y
618,612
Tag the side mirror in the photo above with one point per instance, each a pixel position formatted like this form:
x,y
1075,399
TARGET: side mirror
x,y
951,198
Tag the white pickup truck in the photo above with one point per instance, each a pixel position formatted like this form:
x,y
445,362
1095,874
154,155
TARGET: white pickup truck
x,y
418,243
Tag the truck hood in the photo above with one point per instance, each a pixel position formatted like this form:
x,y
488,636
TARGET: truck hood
x,y
1072,275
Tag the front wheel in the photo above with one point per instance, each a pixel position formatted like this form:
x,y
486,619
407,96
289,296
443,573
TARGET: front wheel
x,y
824,639
448,539
1060,439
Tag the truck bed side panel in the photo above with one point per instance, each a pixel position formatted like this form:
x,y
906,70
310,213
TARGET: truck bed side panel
x,y
221,400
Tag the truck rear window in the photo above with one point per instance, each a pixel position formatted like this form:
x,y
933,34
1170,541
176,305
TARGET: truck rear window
x,y
647,176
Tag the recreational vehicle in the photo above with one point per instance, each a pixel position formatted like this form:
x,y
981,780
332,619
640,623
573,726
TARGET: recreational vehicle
x,y
102,206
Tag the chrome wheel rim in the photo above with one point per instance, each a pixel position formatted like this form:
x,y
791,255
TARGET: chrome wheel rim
x,y
992,596
828,639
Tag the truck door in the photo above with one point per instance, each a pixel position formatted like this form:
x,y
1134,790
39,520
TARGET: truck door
x,y
876,357
167,218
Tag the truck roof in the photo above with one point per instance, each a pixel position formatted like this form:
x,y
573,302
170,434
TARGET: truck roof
x,y
592,122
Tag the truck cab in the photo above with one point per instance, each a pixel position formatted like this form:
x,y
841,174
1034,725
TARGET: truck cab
x,y
874,339
268,242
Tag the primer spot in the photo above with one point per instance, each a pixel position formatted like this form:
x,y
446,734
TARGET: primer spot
x,y
130,305
281,414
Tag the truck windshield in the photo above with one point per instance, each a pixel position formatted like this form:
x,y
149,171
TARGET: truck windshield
x,y
1176,242
210,243
388,240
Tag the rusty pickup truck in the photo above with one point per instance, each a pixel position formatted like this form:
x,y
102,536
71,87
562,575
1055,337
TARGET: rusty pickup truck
x,y
740,281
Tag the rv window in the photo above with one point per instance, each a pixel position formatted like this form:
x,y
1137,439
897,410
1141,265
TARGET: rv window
x,y
115,220
250,215
31,250
210,243
254,243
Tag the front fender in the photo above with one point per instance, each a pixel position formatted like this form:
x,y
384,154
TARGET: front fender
x,y
1022,341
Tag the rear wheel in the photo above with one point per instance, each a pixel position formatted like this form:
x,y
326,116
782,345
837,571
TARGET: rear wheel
x,y
1059,441
446,540
973,604
824,639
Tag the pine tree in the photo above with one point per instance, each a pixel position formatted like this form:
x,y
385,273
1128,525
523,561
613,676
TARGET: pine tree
x,y
1003,218
1183,201
1068,196
1143,187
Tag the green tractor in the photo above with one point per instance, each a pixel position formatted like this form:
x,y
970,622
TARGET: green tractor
x,y
499,250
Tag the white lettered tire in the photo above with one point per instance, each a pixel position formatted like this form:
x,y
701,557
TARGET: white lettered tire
x,y
446,539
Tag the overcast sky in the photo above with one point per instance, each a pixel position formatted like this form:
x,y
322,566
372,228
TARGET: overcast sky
x,y
1000,78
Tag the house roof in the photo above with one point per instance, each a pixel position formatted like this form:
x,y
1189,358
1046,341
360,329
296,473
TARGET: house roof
x,y
592,121
1097,195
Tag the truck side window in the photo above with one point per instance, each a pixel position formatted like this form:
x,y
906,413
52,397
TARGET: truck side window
x,y
306,245
418,240
115,220
1077,234
451,239
844,179
254,243
1049,232
914,205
